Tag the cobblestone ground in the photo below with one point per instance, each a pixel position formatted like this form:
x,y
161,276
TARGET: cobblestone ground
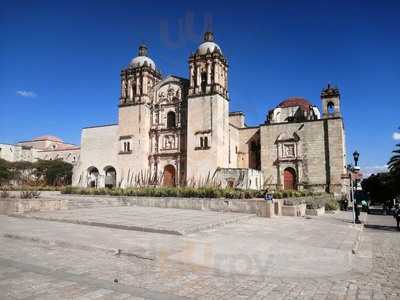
x,y
31,270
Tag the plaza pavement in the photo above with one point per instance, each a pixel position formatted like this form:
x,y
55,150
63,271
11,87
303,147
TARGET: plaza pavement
x,y
148,219
256,258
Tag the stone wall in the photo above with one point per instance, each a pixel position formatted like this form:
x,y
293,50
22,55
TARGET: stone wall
x,y
241,178
246,136
18,153
12,205
318,153
99,148
208,117
55,201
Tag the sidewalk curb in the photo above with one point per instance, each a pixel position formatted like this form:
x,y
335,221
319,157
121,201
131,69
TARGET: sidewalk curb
x,y
234,219
77,246
356,244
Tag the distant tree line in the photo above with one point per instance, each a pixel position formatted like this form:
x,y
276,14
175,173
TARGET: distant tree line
x,y
41,172
382,188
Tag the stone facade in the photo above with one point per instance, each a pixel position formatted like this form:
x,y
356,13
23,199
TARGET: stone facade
x,y
175,131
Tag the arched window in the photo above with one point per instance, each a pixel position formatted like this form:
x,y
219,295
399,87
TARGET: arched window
x,y
201,142
330,108
205,142
203,81
171,120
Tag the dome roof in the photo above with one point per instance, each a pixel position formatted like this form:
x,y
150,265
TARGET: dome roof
x,y
208,44
48,138
295,101
204,47
142,59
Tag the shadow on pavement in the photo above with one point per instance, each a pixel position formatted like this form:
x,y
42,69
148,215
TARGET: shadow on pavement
x,y
381,227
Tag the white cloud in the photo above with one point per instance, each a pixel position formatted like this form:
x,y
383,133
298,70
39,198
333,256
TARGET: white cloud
x,y
26,94
369,170
396,136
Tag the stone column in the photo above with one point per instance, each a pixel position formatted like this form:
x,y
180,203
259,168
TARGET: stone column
x,y
208,72
191,75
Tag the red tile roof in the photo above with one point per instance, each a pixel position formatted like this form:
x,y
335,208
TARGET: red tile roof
x,y
295,101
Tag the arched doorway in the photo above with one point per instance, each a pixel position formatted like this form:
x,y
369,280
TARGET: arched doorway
x,y
93,176
110,180
169,176
289,179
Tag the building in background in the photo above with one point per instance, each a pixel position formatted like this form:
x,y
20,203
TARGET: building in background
x,y
176,131
45,147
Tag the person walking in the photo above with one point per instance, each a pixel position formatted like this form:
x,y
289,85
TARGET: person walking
x,y
396,215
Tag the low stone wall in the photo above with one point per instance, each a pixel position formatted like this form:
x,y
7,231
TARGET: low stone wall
x,y
57,201
229,205
315,211
15,205
298,210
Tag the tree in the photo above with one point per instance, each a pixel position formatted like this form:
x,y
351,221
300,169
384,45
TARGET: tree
x,y
381,188
394,162
394,168
5,173
53,172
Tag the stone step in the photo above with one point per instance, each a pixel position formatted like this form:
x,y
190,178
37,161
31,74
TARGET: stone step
x,y
136,218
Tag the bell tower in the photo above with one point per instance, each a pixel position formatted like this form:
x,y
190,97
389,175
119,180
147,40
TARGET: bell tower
x,y
208,111
330,97
137,83
208,69
138,79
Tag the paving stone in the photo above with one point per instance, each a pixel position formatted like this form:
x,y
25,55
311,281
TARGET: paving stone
x,y
48,271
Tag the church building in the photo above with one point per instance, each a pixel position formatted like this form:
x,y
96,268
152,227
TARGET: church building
x,y
175,131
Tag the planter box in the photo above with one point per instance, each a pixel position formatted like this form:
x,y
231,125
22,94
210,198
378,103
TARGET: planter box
x,y
315,211
266,209
294,210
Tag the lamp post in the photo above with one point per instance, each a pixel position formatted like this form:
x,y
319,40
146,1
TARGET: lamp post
x,y
356,155
355,170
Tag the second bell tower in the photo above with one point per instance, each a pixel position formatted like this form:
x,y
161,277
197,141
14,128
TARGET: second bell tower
x,y
208,111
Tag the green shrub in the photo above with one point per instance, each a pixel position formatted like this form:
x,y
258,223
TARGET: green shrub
x,y
184,192
332,204
315,203
293,201
29,194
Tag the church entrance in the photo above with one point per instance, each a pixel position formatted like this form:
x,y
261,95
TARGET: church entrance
x,y
289,179
169,176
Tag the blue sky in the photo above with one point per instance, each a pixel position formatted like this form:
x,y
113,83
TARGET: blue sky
x,y
60,61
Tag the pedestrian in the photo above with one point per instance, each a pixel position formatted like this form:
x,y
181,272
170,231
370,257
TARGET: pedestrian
x,y
396,215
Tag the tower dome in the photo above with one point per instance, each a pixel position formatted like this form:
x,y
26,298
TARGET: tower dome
x,y
294,102
142,59
208,44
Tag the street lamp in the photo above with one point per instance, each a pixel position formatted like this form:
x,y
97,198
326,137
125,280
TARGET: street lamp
x,y
355,170
356,155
